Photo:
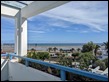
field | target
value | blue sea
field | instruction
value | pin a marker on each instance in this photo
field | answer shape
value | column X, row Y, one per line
column 45, row 46
column 56, row 44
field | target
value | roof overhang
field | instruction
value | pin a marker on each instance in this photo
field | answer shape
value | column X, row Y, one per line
column 32, row 9
column 8, row 11
column 38, row 7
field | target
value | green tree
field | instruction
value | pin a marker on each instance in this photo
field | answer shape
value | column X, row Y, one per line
column 72, row 50
column 85, row 58
column 88, row 47
column 50, row 49
column 96, row 49
column 34, row 55
column 43, row 55
column 75, row 55
column 78, row 49
column 33, row 49
column 106, row 45
column 55, row 49
column 65, row 61
column 106, row 62
column 101, row 64
column 61, row 50
column 29, row 54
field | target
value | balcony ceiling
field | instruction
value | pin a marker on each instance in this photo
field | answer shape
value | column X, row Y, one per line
column 16, row 4
column 28, row 8
column 11, row 8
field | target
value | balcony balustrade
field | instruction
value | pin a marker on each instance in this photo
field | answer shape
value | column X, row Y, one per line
column 62, row 69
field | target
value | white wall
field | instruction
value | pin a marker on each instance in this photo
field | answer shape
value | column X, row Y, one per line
column 19, row 72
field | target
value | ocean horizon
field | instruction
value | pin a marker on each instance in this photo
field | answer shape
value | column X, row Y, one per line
column 45, row 46
column 39, row 44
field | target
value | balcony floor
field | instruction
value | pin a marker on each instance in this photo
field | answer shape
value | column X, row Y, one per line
column 19, row 72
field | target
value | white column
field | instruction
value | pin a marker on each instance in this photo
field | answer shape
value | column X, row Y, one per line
column 20, row 35
column 24, row 37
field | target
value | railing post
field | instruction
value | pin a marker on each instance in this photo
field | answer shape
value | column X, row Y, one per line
column 63, row 75
column 10, row 56
column 26, row 62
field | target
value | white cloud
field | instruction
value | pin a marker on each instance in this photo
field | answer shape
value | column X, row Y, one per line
column 84, row 31
column 58, row 23
column 36, row 31
column 93, row 14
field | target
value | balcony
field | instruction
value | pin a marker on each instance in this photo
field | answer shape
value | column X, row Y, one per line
column 11, row 70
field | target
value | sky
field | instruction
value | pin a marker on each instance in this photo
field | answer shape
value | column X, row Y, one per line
column 73, row 22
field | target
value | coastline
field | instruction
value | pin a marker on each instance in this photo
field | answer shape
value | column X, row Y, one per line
column 9, row 47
